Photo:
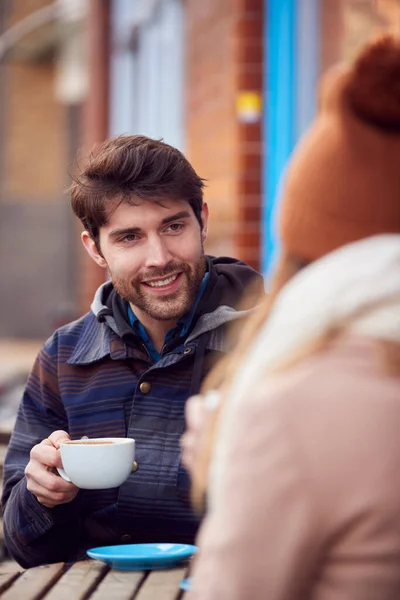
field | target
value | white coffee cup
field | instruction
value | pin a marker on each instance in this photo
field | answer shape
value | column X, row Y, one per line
column 97, row 463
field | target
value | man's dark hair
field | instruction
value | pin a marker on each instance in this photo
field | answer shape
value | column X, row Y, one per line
column 127, row 168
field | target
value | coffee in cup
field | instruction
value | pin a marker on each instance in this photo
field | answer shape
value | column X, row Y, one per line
column 97, row 463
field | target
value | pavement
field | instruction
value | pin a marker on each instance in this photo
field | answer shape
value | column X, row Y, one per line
column 17, row 355
column 16, row 360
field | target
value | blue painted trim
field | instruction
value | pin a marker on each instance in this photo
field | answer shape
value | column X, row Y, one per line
column 279, row 123
column 308, row 54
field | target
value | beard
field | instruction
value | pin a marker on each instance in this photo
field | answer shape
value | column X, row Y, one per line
column 167, row 307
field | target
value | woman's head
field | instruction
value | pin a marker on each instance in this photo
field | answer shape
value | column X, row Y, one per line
column 342, row 185
column 343, row 179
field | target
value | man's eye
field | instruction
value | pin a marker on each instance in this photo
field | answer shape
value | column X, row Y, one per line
column 131, row 237
column 174, row 227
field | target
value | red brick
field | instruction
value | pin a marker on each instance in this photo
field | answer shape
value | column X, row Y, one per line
column 224, row 56
column 249, row 133
column 250, row 27
column 249, row 50
column 253, row 6
column 250, row 162
column 251, row 214
column 250, row 79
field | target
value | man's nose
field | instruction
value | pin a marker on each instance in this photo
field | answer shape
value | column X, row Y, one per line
column 158, row 254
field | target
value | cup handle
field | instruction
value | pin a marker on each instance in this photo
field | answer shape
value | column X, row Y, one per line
column 63, row 474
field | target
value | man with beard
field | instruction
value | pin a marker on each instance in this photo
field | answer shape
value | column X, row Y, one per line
column 128, row 366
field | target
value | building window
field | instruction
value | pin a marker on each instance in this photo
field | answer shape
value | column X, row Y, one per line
column 147, row 69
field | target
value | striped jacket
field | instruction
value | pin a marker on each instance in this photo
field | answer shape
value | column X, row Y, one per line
column 88, row 381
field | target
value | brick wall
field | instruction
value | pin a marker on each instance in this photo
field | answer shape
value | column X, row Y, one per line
column 249, row 77
column 37, row 258
column 224, row 57
column 95, row 112
column 35, row 142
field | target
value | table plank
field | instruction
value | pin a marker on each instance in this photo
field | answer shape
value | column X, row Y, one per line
column 78, row 582
column 118, row 585
column 10, row 566
column 9, row 571
column 34, row 583
column 6, row 580
column 162, row 585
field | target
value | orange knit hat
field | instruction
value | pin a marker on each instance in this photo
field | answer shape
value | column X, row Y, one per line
column 343, row 180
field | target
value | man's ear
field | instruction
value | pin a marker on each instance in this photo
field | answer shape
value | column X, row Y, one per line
column 204, row 220
column 92, row 250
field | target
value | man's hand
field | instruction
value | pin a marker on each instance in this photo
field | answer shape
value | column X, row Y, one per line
column 42, row 482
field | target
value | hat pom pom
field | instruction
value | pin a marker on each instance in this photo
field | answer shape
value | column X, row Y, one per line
column 373, row 88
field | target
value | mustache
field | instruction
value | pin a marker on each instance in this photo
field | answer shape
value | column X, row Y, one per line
column 159, row 272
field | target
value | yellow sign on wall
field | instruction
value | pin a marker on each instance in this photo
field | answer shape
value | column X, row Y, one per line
column 249, row 106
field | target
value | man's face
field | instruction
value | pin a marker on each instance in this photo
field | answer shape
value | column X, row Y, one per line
column 155, row 257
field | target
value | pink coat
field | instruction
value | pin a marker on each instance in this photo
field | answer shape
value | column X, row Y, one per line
column 307, row 505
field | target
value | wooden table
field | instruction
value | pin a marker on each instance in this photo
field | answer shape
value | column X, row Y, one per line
column 88, row 580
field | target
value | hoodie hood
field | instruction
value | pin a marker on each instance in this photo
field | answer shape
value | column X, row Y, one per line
column 228, row 281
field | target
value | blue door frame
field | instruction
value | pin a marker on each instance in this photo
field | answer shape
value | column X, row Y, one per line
column 291, row 66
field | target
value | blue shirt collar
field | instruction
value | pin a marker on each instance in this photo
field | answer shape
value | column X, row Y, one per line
column 182, row 327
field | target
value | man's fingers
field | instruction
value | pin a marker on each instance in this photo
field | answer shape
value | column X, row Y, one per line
column 57, row 437
column 46, row 454
column 40, row 476
column 49, row 488
column 50, row 499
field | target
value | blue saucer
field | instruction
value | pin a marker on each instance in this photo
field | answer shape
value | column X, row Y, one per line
column 139, row 557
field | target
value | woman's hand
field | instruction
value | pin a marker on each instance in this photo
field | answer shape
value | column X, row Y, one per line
column 197, row 412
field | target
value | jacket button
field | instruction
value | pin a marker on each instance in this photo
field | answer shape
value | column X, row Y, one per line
column 145, row 387
column 126, row 538
column 187, row 351
column 135, row 466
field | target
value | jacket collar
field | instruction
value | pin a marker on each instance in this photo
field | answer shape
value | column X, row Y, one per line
column 227, row 278
column 96, row 341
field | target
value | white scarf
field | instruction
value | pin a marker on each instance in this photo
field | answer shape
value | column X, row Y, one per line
column 358, row 284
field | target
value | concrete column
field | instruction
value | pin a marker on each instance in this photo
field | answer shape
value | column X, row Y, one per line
column 332, row 33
